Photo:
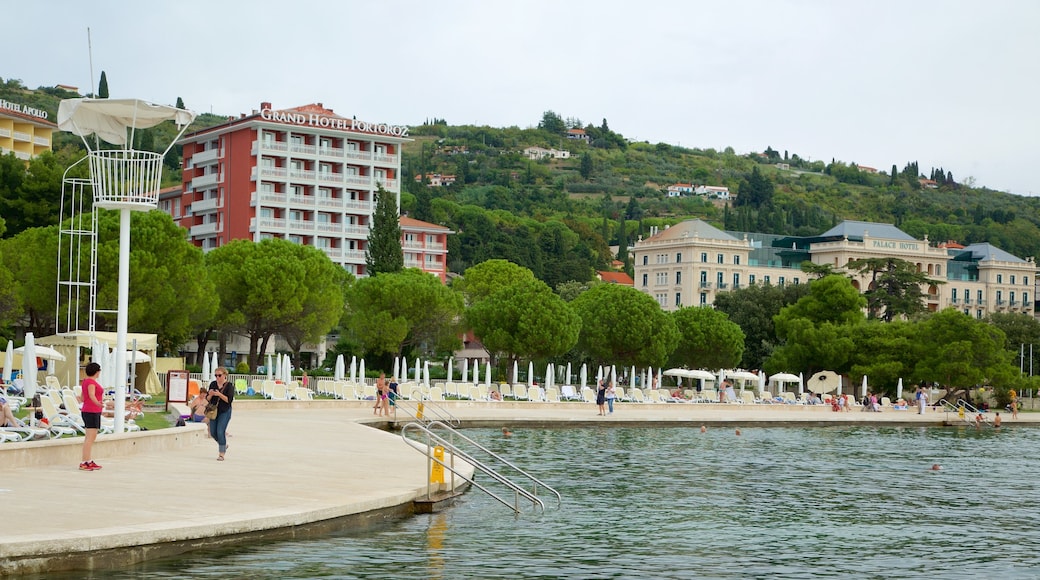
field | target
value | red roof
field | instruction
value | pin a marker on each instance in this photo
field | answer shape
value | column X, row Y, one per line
column 616, row 278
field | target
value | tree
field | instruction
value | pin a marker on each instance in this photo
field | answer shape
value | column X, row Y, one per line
column 10, row 306
column 30, row 197
column 180, row 103
column 895, row 287
column 384, row 253
column 1018, row 329
column 407, row 310
column 30, row 257
column 753, row 308
column 171, row 293
column 960, row 352
column 756, row 190
column 883, row 352
column 552, row 123
column 817, row 329
column 103, row 86
column 524, row 320
column 323, row 302
column 831, row 299
column 707, row 339
column 261, row 286
column 481, row 281
column 621, row 325
column 586, row 166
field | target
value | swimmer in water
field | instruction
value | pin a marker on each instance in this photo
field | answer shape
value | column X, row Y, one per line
column 704, row 429
column 506, row 432
column 936, row 467
column 738, row 432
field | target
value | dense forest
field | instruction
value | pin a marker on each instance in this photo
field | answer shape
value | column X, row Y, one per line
column 559, row 216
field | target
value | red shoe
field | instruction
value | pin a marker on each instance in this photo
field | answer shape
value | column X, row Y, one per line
column 94, row 466
column 85, row 466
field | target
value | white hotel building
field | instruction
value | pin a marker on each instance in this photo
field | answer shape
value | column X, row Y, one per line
column 690, row 262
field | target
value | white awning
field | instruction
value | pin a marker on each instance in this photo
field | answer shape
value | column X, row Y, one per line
column 109, row 119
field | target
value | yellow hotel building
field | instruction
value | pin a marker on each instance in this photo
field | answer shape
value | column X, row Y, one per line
column 25, row 131
column 689, row 263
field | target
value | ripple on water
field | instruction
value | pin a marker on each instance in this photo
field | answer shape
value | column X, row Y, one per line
column 677, row 503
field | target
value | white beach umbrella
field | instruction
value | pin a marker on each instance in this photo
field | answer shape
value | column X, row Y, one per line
column 29, row 365
column 426, row 373
column 361, row 371
column 761, row 382
column 899, row 388
column 516, row 373
column 397, row 368
column 340, row 367
column 206, row 370
column 214, row 363
column 8, row 361
column 613, row 375
column 451, row 370
column 530, row 373
column 417, row 374
column 353, row 368
column 269, row 368
column 864, row 387
column 487, row 374
column 583, row 375
column 548, row 375
column 599, row 375
column 801, row 384
column 567, row 379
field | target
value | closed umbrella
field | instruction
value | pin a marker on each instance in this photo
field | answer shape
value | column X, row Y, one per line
column 361, row 372
column 214, row 363
column 568, row 379
column 548, row 375
column 397, row 368
column 269, row 368
column 340, row 367
column 584, row 375
column 476, row 371
column 206, row 370
column 487, row 374
column 451, row 369
column 9, row 361
column 353, row 368
column 530, row 374
column 29, row 365
column 465, row 370
column 761, row 382
column 801, row 385
column 613, row 375
column 516, row 373
column 418, row 372
column 426, row 373
column 899, row 388
column 864, row 387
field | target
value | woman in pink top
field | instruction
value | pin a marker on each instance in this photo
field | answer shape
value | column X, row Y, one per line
column 93, row 393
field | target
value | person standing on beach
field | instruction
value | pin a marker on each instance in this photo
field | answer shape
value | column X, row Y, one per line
column 92, row 393
column 610, row 395
column 222, row 393
column 601, row 397
column 922, row 400
column 382, row 396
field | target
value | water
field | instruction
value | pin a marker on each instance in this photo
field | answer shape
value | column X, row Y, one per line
column 676, row 503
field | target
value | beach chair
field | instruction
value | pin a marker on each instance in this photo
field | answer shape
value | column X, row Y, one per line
column 519, row 392
column 567, row 392
column 588, row 395
column 709, row 396
column 464, row 390
column 789, row 398
column 303, row 394
column 536, row 394
column 436, row 393
column 552, row 394
column 278, row 392
column 506, row 390
column 635, row 393
column 481, row 391
column 22, row 432
column 747, row 397
column 60, row 424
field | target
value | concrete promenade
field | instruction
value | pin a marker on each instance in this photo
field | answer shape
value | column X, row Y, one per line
column 292, row 469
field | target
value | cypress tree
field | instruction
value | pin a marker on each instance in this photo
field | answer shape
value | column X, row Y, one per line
column 384, row 253
column 102, row 91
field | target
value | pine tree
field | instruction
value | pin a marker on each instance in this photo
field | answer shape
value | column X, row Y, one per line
column 384, row 253
column 180, row 103
column 102, row 91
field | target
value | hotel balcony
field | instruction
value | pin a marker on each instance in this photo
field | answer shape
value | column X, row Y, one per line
column 705, row 285
column 205, row 157
column 42, row 141
column 205, row 229
column 204, row 181
column 22, row 136
column 205, row 205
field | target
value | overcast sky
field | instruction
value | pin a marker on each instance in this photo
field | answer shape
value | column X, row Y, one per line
column 947, row 83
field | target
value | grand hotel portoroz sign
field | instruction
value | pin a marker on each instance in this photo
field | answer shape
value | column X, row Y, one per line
column 316, row 120
column 18, row 108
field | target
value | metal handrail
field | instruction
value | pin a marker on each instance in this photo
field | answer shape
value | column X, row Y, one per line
column 432, row 437
column 424, row 411
column 968, row 408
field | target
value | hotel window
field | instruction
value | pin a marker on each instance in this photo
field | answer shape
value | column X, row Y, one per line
column 704, row 257
column 325, row 168
column 765, row 279
column 704, row 298
column 1012, row 279
column 296, row 190
column 325, row 144
column 644, row 280
column 324, row 193
column 324, row 218
column 938, row 270
column 678, row 299
column 797, row 281
column 296, row 140
column 678, row 260
column 661, row 278
column 1000, row 278
column 266, row 213
column 736, row 280
column 267, row 163
column 268, row 138
column 266, row 187
column 751, row 279
column 645, row 259
column 662, row 299
column 736, row 259
column 1025, row 299
column 678, row 278
column 718, row 280
column 718, row 258
column 781, row 281
column 967, row 296
column 1000, row 297
column 296, row 216
column 704, row 277
column 1011, row 297
column 978, row 314
column 662, row 258
column 1025, row 280
column 979, row 296
column 953, row 295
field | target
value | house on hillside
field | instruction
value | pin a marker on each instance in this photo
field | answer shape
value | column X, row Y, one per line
column 578, row 134
column 680, row 189
column 436, row 179
column 866, row 169
column 928, row 183
column 542, row 153
column 615, row 278
column 716, row 191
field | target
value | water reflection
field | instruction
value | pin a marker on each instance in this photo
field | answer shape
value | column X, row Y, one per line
column 677, row 503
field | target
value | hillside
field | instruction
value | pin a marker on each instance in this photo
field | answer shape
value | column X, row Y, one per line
column 558, row 216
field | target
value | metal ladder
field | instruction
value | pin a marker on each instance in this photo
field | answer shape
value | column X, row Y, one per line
column 965, row 411
column 424, row 411
column 427, row 433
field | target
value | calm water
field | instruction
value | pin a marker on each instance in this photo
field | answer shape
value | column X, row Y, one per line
column 676, row 503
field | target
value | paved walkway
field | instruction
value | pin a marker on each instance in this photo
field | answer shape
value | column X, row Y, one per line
column 289, row 465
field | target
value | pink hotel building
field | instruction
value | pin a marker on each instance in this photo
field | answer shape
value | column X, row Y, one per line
column 304, row 174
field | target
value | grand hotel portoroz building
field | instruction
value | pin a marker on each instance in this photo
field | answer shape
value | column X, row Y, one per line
column 303, row 174
column 689, row 263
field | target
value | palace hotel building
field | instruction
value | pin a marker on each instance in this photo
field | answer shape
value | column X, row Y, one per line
column 303, row 174
column 689, row 263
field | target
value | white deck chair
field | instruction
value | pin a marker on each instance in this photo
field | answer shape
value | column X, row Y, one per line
column 635, row 393
column 303, row 394
column 369, row 392
column 59, row 424
column 482, row 392
column 552, row 394
column 588, row 395
column 278, row 392
column 747, row 397
column 463, row 390
column 506, row 390
column 536, row 394
column 436, row 393
column 567, row 392
column 519, row 392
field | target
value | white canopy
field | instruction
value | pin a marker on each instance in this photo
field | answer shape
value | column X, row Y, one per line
column 690, row 374
column 109, row 119
column 742, row 375
column 784, row 378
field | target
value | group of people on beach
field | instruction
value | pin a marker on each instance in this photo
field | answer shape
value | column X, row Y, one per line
column 605, row 395
column 386, row 395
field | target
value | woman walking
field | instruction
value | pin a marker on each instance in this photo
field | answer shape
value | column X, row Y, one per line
column 222, row 393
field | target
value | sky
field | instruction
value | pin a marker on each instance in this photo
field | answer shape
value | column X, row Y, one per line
column 948, row 83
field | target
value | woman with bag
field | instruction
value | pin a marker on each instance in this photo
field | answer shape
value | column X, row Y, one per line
column 220, row 395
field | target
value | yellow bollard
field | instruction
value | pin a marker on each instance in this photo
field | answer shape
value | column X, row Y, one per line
column 418, row 414
column 437, row 469
column 960, row 411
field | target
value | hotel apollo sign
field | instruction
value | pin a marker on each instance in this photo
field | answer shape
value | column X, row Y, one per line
column 315, row 120
column 23, row 109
